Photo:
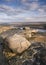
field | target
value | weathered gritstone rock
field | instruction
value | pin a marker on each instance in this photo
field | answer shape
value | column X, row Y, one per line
column 27, row 34
column 27, row 28
column 3, row 60
column 38, row 59
column 17, row 43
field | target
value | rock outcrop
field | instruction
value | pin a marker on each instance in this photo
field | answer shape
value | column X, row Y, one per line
column 17, row 43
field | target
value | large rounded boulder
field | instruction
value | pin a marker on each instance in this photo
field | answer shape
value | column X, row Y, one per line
column 17, row 43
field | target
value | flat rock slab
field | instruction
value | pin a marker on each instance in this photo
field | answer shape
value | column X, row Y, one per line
column 17, row 43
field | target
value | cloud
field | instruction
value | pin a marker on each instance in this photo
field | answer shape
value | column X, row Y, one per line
column 9, row 10
column 33, row 4
column 9, row 14
column 9, row 0
column 28, row 10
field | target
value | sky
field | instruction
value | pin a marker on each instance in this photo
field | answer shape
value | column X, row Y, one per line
column 22, row 11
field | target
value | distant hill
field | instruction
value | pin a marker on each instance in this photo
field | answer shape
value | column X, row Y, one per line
column 23, row 24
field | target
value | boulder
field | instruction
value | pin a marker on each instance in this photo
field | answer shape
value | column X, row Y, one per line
column 27, row 28
column 17, row 43
column 27, row 34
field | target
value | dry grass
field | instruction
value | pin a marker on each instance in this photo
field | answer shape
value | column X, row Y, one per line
column 40, row 39
column 4, row 28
